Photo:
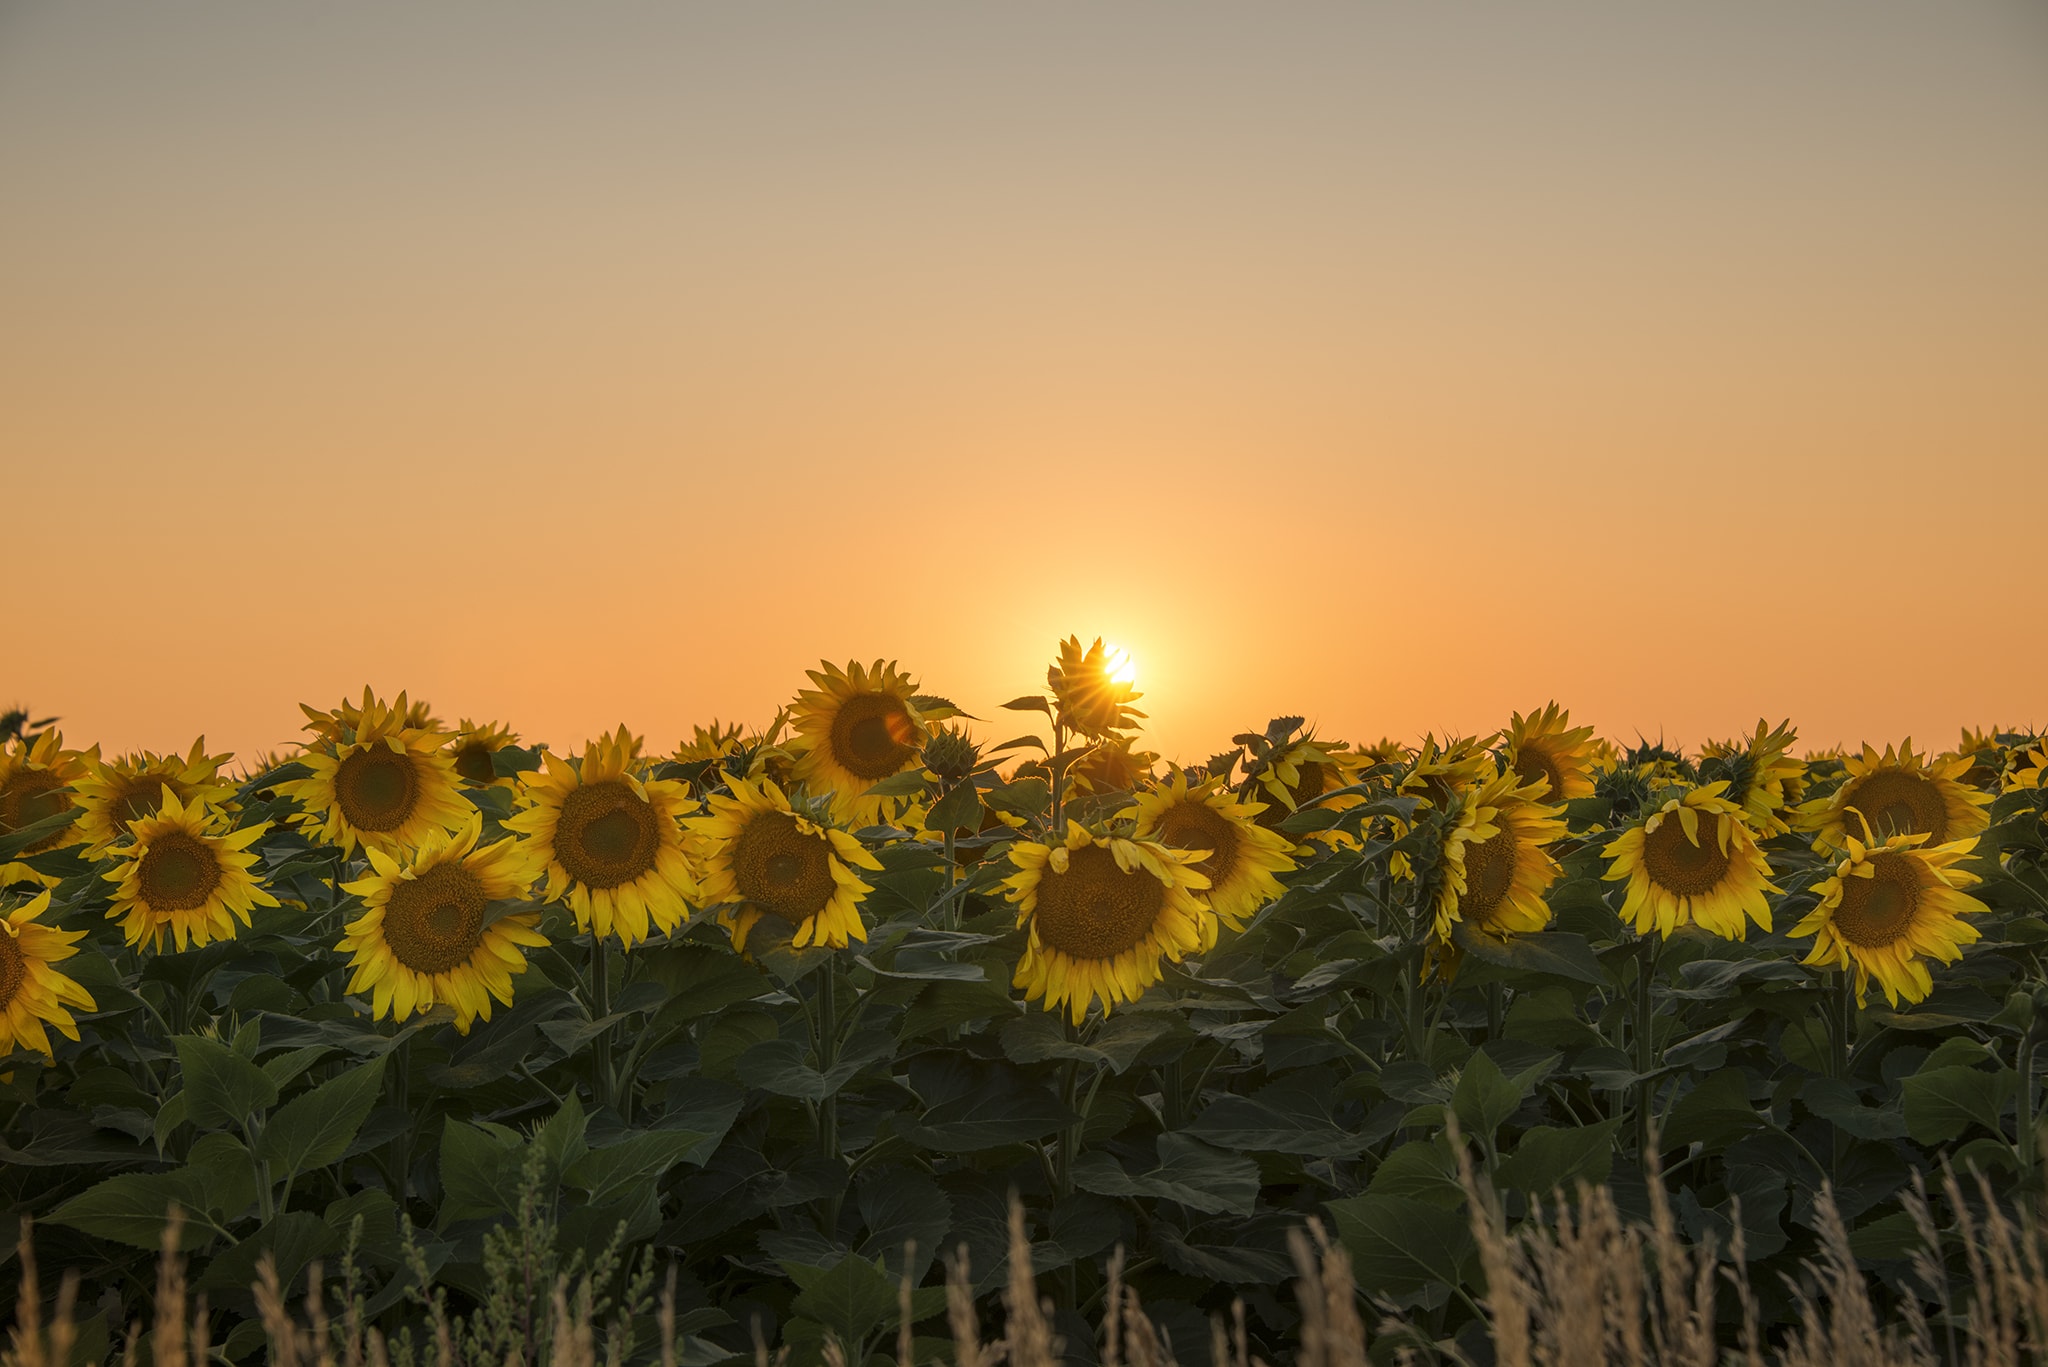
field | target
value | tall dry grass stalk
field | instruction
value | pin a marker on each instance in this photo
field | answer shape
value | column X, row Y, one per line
column 1573, row 1285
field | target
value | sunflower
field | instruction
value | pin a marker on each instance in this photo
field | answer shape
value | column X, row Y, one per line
column 382, row 785
column 33, row 993
column 472, row 750
column 1763, row 778
column 761, row 857
column 1385, row 750
column 426, row 936
column 1899, row 793
column 1091, row 700
column 609, row 839
column 346, row 721
column 1495, row 869
column 856, row 728
column 1243, row 856
column 1889, row 906
column 185, row 877
column 36, row 778
column 1112, row 765
column 1545, row 745
column 1102, row 913
column 115, row 792
column 1443, row 772
column 1694, row 862
column 1301, row 771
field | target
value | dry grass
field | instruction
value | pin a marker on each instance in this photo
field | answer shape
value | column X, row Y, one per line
column 1574, row 1285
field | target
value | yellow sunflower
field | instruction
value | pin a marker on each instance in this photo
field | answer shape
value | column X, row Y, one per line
column 761, row 857
column 426, row 936
column 472, row 749
column 384, row 785
column 1243, row 856
column 1091, row 699
column 1445, row 771
column 37, row 775
column 1899, row 793
column 1693, row 862
column 2029, row 770
column 1102, row 913
column 33, row 993
column 1889, row 906
column 185, row 877
column 345, row 722
column 608, row 839
column 856, row 728
column 1301, row 771
column 1385, row 750
column 1495, row 866
column 113, row 793
column 1545, row 745
column 1764, row 779
column 1114, row 765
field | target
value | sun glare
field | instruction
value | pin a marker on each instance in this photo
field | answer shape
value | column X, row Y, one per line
column 1122, row 668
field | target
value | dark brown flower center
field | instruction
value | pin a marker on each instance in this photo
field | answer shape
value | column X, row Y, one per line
column 1677, row 865
column 13, row 968
column 434, row 922
column 1095, row 910
column 377, row 787
column 1489, row 873
column 1533, row 762
column 1896, row 802
column 872, row 735
column 783, row 869
column 608, row 834
column 1195, row 825
column 139, row 796
column 33, row 795
column 178, row 873
column 473, row 763
column 1877, row 911
column 1309, row 784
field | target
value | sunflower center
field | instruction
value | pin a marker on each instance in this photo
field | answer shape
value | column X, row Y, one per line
column 1895, row 802
column 1678, row 865
column 473, row 763
column 179, row 872
column 138, row 797
column 608, row 834
column 783, row 869
column 1198, row 826
column 1877, row 911
column 1309, row 785
column 377, row 788
column 30, row 796
column 1095, row 910
column 434, row 923
column 872, row 735
column 1489, row 873
column 1532, row 764
column 13, row 969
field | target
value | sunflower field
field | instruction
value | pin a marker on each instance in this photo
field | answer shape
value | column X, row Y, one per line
column 785, row 1020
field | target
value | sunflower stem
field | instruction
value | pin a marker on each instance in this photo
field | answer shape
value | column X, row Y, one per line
column 828, row 1058
column 1059, row 779
column 1645, row 1040
column 600, row 1007
column 401, row 1097
column 2024, row 1120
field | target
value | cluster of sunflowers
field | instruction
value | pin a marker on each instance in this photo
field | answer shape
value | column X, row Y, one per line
column 453, row 841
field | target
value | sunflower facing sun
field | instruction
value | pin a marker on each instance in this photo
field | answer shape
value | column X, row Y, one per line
column 1495, row 866
column 1899, row 793
column 1891, row 905
column 1102, row 912
column 382, row 784
column 427, row 937
column 32, row 992
column 473, row 751
column 608, row 839
column 113, row 793
column 1694, row 862
column 36, row 778
column 859, row 726
column 1243, row 856
column 1546, row 746
column 762, row 858
column 185, row 878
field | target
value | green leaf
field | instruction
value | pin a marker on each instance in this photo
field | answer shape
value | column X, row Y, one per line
column 1554, row 953
column 14, row 842
column 700, row 979
column 130, row 1209
column 314, row 1130
column 1188, row 1172
column 293, row 1240
column 1288, row 1116
column 853, row 1298
column 561, row 1138
column 1715, row 1112
column 288, row 1065
column 1941, row 1103
column 1547, row 1159
column 1836, row 1101
column 479, row 1172
column 1030, row 702
column 1398, row 1245
column 958, row 810
column 1001, row 1110
column 168, row 1118
column 1420, row 1170
column 1485, row 1097
column 222, row 1088
column 612, row 1171
column 900, row 1205
column 905, row 784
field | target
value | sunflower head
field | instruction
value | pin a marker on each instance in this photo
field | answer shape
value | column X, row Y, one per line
column 185, row 876
column 429, row 934
column 1545, row 747
column 951, row 754
column 347, row 721
column 1890, row 906
column 1241, row 859
column 1444, row 772
column 473, row 751
column 1762, row 776
column 382, row 784
column 1102, row 913
column 37, row 778
column 609, row 839
column 761, row 856
column 1494, row 867
column 33, row 993
column 1898, row 792
column 113, row 793
column 1090, row 698
column 859, row 726
column 1694, row 861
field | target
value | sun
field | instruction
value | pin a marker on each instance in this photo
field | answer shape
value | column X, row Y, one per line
column 1123, row 668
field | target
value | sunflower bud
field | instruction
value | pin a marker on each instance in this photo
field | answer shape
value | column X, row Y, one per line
column 950, row 754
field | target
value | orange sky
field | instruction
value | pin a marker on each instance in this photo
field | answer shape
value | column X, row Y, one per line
column 1398, row 366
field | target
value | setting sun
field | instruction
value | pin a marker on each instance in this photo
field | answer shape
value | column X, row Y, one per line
column 1122, row 668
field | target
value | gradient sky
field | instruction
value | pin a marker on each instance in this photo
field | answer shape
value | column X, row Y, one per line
column 1397, row 365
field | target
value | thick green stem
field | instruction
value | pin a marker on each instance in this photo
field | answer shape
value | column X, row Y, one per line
column 600, row 1007
column 2024, row 1138
column 1059, row 780
column 401, row 1143
column 1645, row 1041
column 828, row 1057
